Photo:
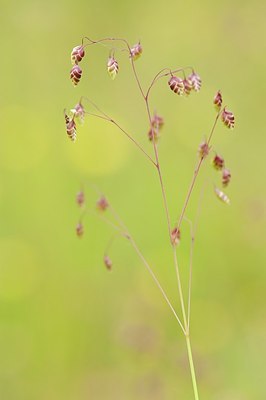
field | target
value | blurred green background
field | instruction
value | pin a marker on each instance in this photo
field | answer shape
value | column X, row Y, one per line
column 69, row 329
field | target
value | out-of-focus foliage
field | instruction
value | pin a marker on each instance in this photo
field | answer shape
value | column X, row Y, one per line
column 69, row 329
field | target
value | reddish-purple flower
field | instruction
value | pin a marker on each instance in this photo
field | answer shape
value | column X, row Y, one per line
column 102, row 204
column 176, row 85
column 204, row 149
column 80, row 198
column 218, row 162
column 226, row 177
column 108, row 262
column 228, row 118
column 218, row 100
column 79, row 230
column 71, row 128
column 77, row 54
column 112, row 67
column 175, row 236
column 136, row 51
column 195, row 81
column 75, row 74
column 79, row 112
column 157, row 123
column 187, row 86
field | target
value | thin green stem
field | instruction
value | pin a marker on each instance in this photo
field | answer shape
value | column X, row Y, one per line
column 192, row 369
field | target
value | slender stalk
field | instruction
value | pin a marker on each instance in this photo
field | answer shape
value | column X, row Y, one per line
column 192, row 369
column 195, row 175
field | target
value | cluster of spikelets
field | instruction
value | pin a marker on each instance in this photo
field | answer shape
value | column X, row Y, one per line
column 218, row 162
column 78, row 54
column 76, row 113
column 185, row 86
column 101, row 206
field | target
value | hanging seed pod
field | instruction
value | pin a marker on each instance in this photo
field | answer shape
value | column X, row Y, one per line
column 218, row 100
column 75, row 74
column 80, row 198
column 112, row 67
column 108, row 262
column 79, row 230
column 175, row 236
column 102, row 204
column 176, row 85
column 79, row 112
column 157, row 121
column 218, row 162
column 77, row 54
column 187, row 86
column 71, row 128
column 204, row 149
column 222, row 196
column 195, row 81
column 228, row 119
column 226, row 177
column 136, row 51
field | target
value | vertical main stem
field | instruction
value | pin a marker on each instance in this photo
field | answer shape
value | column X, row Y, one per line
column 192, row 369
column 180, row 291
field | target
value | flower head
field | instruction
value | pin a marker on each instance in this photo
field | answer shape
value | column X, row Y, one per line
column 226, row 177
column 228, row 118
column 218, row 100
column 112, row 67
column 71, row 127
column 79, row 230
column 204, row 149
column 80, row 198
column 77, row 54
column 218, row 162
column 75, row 74
column 79, row 112
column 176, row 85
column 195, row 80
column 102, row 203
column 108, row 262
column 136, row 51
column 175, row 236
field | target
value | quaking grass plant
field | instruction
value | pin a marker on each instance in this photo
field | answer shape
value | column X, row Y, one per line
column 183, row 82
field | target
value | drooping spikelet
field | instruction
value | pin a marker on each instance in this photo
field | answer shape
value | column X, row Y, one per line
column 71, row 128
column 79, row 112
column 222, row 196
column 75, row 74
column 176, row 85
column 136, row 51
column 195, row 81
column 175, row 236
column 112, row 67
column 218, row 162
column 107, row 262
column 228, row 119
column 226, row 177
column 187, row 86
column 218, row 100
column 204, row 149
column 77, row 54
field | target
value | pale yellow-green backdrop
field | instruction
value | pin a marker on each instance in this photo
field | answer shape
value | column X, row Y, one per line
column 69, row 329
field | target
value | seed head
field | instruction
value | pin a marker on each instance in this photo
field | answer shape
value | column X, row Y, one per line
column 218, row 100
column 77, row 54
column 222, row 196
column 108, row 262
column 204, row 149
column 218, row 162
column 157, row 123
column 187, row 86
column 228, row 118
column 102, row 204
column 226, row 177
column 195, row 81
column 112, row 67
column 176, row 85
column 79, row 112
column 136, row 51
column 79, row 230
column 175, row 236
column 75, row 74
column 71, row 128
column 80, row 198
